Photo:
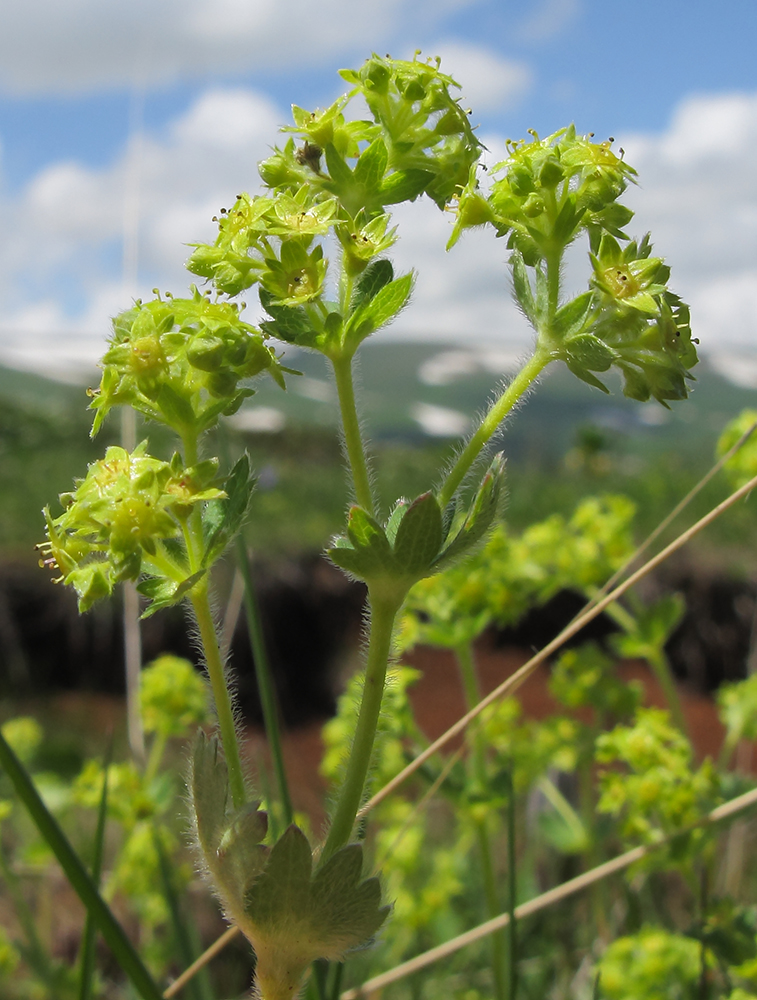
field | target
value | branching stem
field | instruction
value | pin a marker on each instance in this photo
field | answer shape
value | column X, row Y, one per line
column 488, row 426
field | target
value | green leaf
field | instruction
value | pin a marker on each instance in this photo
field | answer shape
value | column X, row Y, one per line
column 210, row 791
column 163, row 593
column 419, row 535
column 78, row 877
column 588, row 351
column 282, row 892
column 288, row 323
column 378, row 274
column 380, row 309
column 404, row 185
column 586, row 376
column 366, row 552
column 573, row 317
column 87, row 953
column 340, row 173
column 480, row 517
column 225, row 517
column 522, row 288
column 371, row 166
column 295, row 918
column 175, row 408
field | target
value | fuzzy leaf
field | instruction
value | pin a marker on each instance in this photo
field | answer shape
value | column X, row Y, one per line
column 379, row 310
column 176, row 409
column 224, row 518
column 366, row 551
column 371, row 166
column 294, row 918
column 378, row 274
column 588, row 351
column 419, row 535
column 572, row 318
column 522, row 288
column 210, row 791
column 404, row 185
column 164, row 593
column 480, row 517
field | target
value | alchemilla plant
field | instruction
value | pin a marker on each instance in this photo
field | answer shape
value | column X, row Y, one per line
column 315, row 246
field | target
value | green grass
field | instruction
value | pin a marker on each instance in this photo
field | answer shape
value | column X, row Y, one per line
column 577, row 441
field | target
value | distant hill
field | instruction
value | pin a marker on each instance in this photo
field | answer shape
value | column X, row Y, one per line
column 413, row 391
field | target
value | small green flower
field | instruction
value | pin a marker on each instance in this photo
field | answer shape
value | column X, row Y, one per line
column 363, row 241
column 630, row 277
column 181, row 362
column 117, row 516
column 298, row 276
column 173, row 696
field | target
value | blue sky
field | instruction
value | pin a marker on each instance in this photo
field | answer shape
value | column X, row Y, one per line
column 674, row 81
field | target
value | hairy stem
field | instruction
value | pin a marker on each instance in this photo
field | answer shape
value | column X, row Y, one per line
column 384, row 609
column 488, row 426
column 221, row 696
column 353, row 440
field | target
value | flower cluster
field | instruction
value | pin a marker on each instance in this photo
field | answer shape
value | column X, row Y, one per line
column 115, row 520
column 181, row 362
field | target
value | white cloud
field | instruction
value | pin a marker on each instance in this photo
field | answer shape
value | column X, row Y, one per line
column 489, row 82
column 64, row 246
column 697, row 196
column 60, row 259
column 79, row 45
column 549, row 19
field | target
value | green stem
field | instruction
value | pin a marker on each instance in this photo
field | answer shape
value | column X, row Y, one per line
column 469, row 679
column 266, row 688
column 553, row 282
column 383, row 612
column 156, row 755
column 353, row 441
column 512, row 887
column 488, row 426
column 499, row 938
column 224, row 711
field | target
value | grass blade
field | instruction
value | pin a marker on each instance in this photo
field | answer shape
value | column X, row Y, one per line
column 78, row 876
column 87, row 954
column 199, row 987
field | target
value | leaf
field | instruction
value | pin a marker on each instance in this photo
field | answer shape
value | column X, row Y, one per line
column 378, row 274
column 77, row 875
column 87, row 952
column 210, row 791
column 481, row 515
column 295, row 918
column 379, row 310
column 175, row 408
column 522, row 288
column 340, row 173
column 282, row 893
column 164, row 593
column 227, row 516
column 371, row 166
column 573, row 317
column 586, row 376
column 588, row 351
column 419, row 535
column 365, row 552
column 288, row 323
column 404, row 185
